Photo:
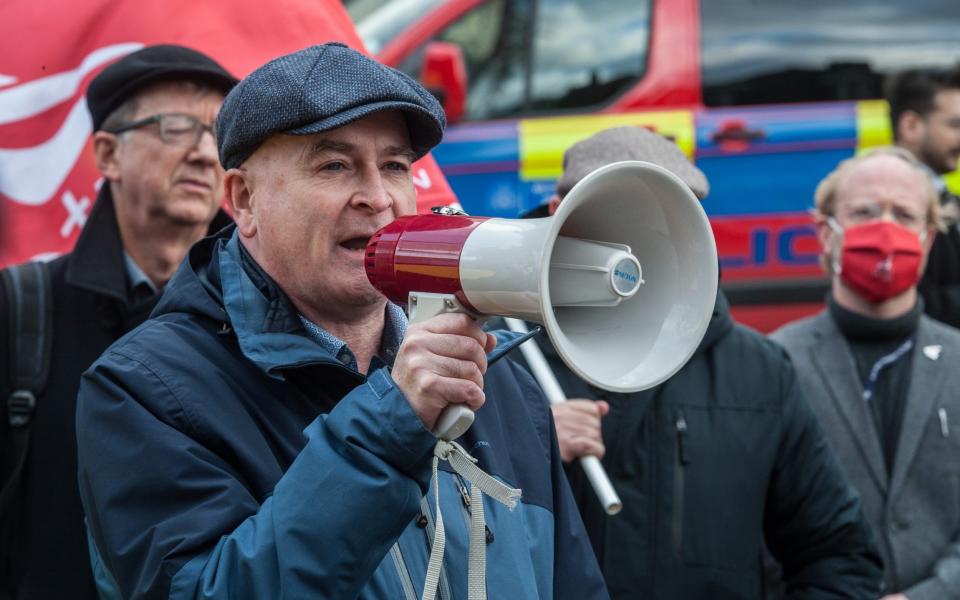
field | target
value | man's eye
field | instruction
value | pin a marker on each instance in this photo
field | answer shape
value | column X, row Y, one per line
column 905, row 217
column 334, row 166
column 396, row 166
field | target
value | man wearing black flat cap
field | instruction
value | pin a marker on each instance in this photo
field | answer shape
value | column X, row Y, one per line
column 267, row 433
column 153, row 113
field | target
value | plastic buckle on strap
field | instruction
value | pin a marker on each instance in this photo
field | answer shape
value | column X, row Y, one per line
column 20, row 406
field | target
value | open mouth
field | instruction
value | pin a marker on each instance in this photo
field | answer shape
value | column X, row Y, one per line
column 356, row 243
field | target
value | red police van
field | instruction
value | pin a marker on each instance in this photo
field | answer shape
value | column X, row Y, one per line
column 766, row 96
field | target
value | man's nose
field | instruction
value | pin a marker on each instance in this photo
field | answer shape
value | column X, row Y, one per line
column 372, row 193
column 205, row 149
column 887, row 215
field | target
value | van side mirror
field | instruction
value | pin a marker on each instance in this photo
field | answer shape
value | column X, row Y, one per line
column 444, row 74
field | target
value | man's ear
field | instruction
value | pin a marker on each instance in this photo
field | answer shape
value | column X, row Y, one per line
column 825, row 236
column 824, row 233
column 239, row 189
column 911, row 129
column 105, row 149
column 553, row 204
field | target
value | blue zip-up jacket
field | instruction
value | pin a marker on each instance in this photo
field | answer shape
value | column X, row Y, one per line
column 224, row 454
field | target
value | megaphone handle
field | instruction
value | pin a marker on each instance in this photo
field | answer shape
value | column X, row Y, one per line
column 554, row 393
column 455, row 419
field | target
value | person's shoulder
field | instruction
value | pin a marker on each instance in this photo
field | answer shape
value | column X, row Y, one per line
column 745, row 334
column 939, row 332
column 753, row 346
column 58, row 266
column 516, row 396
column 749, row 345
column 173, row 343
column 508, row 377
column 170, row 364
column 770, row 367
column 799, row 332
column 56, row 270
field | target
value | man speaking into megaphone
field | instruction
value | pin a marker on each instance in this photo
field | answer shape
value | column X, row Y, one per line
column 267, row 434
column 722, row 457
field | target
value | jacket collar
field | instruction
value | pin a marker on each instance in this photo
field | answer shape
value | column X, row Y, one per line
column 96, row 263
column 928, row 377
column 266, row 325
column 831, row 354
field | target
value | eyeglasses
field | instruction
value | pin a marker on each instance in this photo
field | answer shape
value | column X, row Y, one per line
column 175, row 129
column 869, row 211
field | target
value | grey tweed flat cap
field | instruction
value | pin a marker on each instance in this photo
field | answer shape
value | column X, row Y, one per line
column 318, row 89
column 628, row 143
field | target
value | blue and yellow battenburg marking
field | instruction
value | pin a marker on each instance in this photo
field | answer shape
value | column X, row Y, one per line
column 543, row 141
column 761, row 194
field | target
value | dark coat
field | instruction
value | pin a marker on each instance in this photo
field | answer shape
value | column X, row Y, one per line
column 233, row 453
column 723, row 456
column 90, row 311
column 940, row 285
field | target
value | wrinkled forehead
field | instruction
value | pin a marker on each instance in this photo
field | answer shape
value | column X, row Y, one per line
column 387, row 129
column 178, row 96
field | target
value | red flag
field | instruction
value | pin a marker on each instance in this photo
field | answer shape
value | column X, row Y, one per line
column 53, row 48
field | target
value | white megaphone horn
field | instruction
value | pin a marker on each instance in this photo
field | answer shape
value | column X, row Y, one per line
column 623, row 277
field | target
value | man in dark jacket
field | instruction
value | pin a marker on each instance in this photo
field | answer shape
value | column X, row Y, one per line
column 722, row 457
column 925, row 118
column 267, row 433
column 162, row 185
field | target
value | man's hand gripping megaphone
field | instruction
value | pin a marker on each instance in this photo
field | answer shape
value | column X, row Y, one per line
column 441, row 362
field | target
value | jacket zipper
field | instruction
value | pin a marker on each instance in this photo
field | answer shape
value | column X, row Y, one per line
column 464, row 498
column 679, row 462
column 467, row 511
column 405, row 582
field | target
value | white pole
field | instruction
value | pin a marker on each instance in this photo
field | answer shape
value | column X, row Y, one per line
column 548, row 382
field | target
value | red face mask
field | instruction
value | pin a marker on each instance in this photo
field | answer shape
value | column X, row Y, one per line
column 880, row 259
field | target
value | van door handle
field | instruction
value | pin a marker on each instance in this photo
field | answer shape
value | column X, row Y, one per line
column 733, row 135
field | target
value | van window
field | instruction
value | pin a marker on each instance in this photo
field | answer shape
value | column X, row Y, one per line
column 537, row 57
column 493, row 39
column 587, row 52
column 772, row 51
column 379, row 22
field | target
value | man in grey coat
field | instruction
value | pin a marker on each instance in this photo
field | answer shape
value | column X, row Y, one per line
column 883, row 377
